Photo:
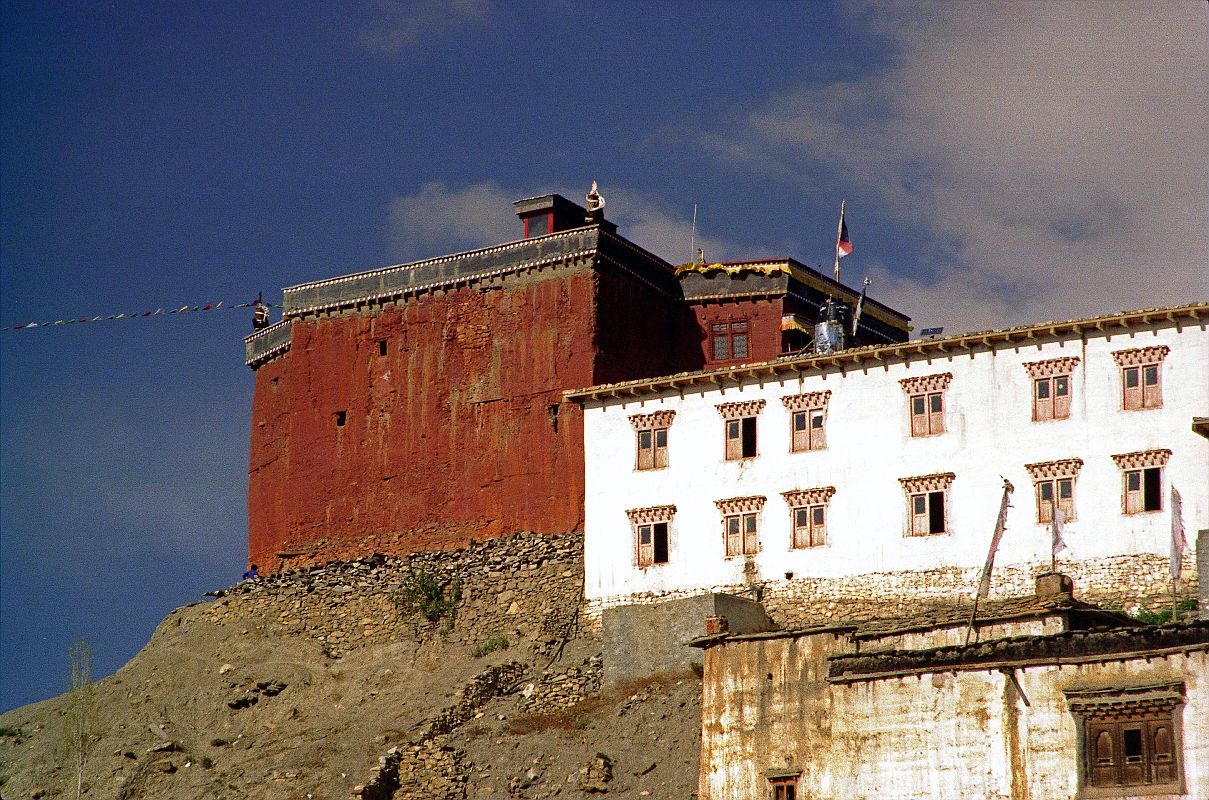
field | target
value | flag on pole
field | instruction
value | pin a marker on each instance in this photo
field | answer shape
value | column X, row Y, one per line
column 843, row 245
column 1178, row 541
column 860, row 302
column 1058, row 544
column 984, row 585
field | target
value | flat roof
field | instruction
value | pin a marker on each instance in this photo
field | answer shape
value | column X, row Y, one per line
column 881, row 353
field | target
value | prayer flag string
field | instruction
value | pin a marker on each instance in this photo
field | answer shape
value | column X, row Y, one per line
column 186, row 309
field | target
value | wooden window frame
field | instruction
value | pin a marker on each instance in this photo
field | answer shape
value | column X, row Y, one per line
column 1142, row 481
column 1050, row 480
column 740, row 525
column 651, row 439
column 1141, row 377
column 739, row 429
column 813, row 503
column 1114, row 763
column 926, row 403
column 807, row 421
column 1052, row 387
column 728, row 332
column 652, row 522
column 923, row 493
column 784, row 788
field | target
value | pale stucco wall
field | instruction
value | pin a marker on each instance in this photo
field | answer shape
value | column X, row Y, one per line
column 989, row 433
column 937, row 736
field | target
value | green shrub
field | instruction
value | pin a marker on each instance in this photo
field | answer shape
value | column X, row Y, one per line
column 1162, row 616
column 10, row 732
column 423, row 593
column 490, row 646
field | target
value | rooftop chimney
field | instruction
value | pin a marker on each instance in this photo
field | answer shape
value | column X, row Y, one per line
column 1054, row 584
column 553, row 213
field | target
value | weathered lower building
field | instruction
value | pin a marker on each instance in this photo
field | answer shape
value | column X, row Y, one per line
column 1046, row 702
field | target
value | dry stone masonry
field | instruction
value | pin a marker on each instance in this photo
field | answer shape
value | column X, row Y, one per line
column 526, row 586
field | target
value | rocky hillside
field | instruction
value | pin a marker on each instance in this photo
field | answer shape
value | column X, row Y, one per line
column 449, row 676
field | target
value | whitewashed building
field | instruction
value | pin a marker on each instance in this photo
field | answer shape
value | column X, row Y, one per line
column 860, row 482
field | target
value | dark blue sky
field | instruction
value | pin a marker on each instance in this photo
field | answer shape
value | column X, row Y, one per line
column 1000, row 167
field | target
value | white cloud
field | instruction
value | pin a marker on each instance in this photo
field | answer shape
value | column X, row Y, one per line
column 398, row 25
column 439, row 219
column 1056, row 154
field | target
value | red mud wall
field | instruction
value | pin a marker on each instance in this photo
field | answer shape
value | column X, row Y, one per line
column 641, row 333
column 763, row 317
column 448, row 435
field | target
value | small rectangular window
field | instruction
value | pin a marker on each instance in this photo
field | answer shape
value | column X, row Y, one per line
column 809, row 526
column 652, row 544
column 808, row 431
column 740, row 438
column 341, row 418
column 652, row 448
column 381, row 347
column 1142, row 387
column 783, row 788
column 1131, row 751
column 928, row 513
column 927, row 414
column 1143, row 490
column 1065, row 490
column 729, row 340
column 742, row 535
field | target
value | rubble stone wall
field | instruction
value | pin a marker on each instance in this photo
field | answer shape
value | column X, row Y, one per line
column 1129, row 582
column 522, row 586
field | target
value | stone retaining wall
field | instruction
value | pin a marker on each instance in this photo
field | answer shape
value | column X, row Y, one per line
column 1129, row 582
column 522, row 586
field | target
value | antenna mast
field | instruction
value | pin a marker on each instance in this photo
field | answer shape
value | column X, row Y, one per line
column 692, row 242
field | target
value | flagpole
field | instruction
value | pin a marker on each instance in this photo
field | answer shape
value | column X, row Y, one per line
column 839, row 229
column 984, row 583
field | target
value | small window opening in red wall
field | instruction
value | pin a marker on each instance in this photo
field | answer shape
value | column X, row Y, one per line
column 341, row 418
column 381, row 347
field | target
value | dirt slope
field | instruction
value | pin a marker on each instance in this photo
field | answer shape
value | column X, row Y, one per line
column 251, row 711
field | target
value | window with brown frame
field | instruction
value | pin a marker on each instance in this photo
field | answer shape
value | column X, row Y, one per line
column 1051, row 398
column 1052, row 387
column 740, row 438
column 1141, row 377
column 1142, row 480
column 808, row 430
column 926, row 403
column 652, row 448
column 1143, row 490
column 742, row 535
column 1130, row 740
column 927, row 503
column 807, row 420
column 1055, row 483
column 740, row 428
column 741, row 525
column 808, row 516
column 652, row 544
column 651, row 433
column 784, row 788
column 729, row 339
column 652, row 535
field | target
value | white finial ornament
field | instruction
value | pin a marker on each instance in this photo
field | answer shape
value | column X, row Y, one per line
column 595, row 199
